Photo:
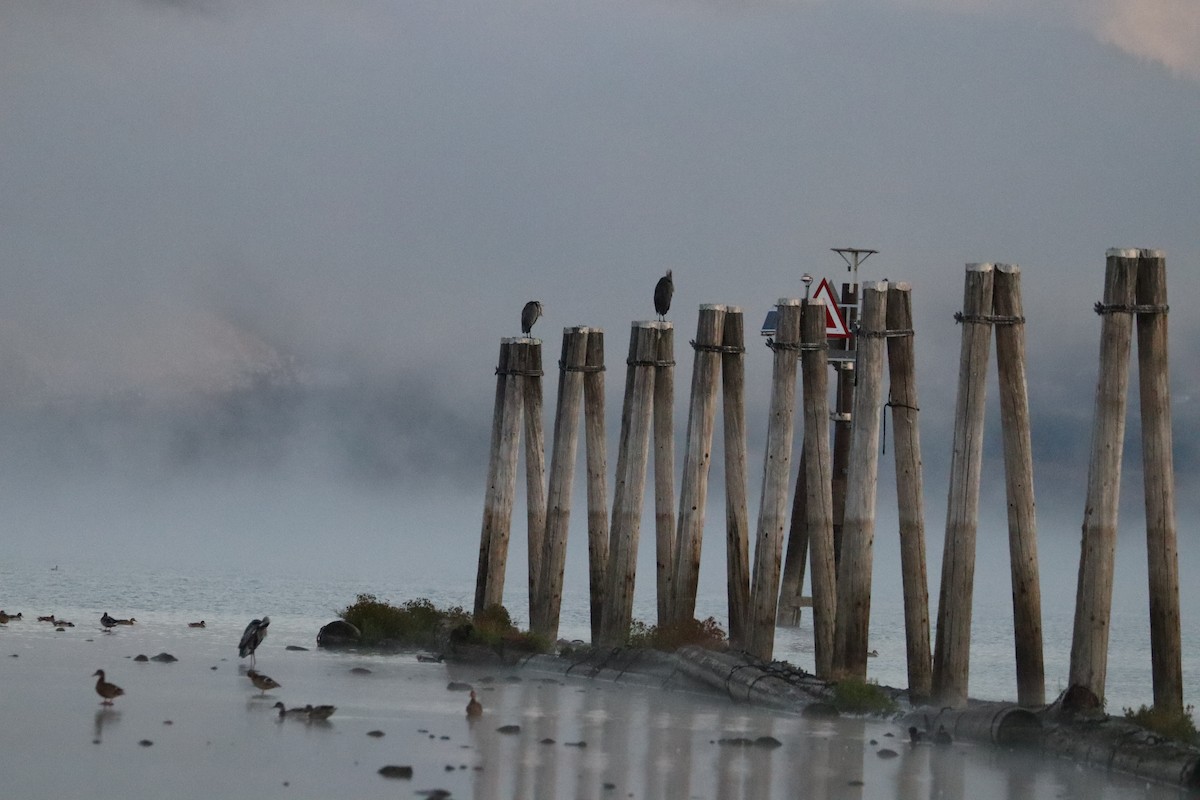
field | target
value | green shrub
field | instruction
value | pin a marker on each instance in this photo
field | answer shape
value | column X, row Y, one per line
column 707, row 634
column 416, row 622
column 1177, row 725
column 854, row 696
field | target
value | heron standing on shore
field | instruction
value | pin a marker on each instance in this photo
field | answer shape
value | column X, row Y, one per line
column 256, row 631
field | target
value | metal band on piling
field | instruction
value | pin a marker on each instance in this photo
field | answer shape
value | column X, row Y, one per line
column 885, row 334
column 987, row 319
column 1123, row 308
column 581, row 368
column 716, row 348
column 528, row 373
column 648, row 362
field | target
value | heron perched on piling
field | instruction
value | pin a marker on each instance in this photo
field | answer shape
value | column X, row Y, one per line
column 256, row 631
column 663, row 291
column 529, row 315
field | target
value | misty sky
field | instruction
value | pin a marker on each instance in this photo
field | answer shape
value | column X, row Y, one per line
column 256, row 258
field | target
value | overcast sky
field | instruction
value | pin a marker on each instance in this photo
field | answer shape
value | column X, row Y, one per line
column 358, row 198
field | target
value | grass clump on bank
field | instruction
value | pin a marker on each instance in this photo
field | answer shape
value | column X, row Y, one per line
column 701, row 633
column 1178, row 725
column 854, row 696
column 420, row 623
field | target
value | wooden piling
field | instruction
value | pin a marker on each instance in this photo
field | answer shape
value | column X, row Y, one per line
column 529, row 359
column 1018, row 474
column 768, row 548
column 791, row 588
column 697, row 459
column 910, row 493
column 630, row 483
column 952, row 653
column 597, row 476
column 664, row 469
column 843, row 418
column 1159, row 481
column 818, row 468
column 852, row 630
column 502, row 482
column 1093, row 598
column 737, row 521
column 544, row 613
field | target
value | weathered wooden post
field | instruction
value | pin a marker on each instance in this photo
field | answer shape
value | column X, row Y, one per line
column 764, row 592
column 1018, row 473
column 795, row 557
column 502, row 481
column 1093, row 598
column 843, row 415
column 529, row 356
column 910, row 494
column 952, row 653
column 858, row 528
column 1159, row 481
column 697, row 460
column 737, row 520
column 630, row 483
column 597, row 476
column 545, row 612
column 664, row 468
column 818, row 462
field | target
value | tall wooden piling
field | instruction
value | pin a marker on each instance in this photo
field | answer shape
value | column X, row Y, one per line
column 795, row 557
column 1093, row 598
column 597, row 476
column 952, row 653
column 502, row 481
column 529, row 355
column 910, row 493
column 544, row 613
column 843, row 418
column 697, row 460
column 630, row 483
column 768, row 548
column 818, row 462
column 858, row 528
column 1159, row 481
column 1018, row 473
column 664, row 469
column 737, row 520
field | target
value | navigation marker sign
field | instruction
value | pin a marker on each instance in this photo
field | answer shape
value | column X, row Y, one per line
column 835, row 325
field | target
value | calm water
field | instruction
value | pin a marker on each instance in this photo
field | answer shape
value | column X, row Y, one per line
column 299, row 605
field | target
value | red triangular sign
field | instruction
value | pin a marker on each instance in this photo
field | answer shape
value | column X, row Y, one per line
column 835, row 325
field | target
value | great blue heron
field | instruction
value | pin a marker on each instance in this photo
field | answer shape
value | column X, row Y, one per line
column 106, row 690
column 663, row 290
column 256, row 631
column 529, row 315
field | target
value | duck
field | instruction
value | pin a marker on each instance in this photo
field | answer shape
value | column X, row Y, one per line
column 49, row 619
column 262, row 682
column 107, row 621
column 5, row 617
column 915, row 734
column 199, row 624
column 284, row 711
column 129, row 621
column 105, row 689
column 942, row 736
column 319, row 713
column 474, row 707
column 873, row 654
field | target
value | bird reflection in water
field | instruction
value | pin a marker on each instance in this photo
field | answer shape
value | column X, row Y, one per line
column 104, row 716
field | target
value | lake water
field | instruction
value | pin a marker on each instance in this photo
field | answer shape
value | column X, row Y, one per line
column 299, row 604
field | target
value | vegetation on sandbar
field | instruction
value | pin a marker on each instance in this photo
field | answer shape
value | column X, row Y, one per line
column 420, row 623
column 1178, row 725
